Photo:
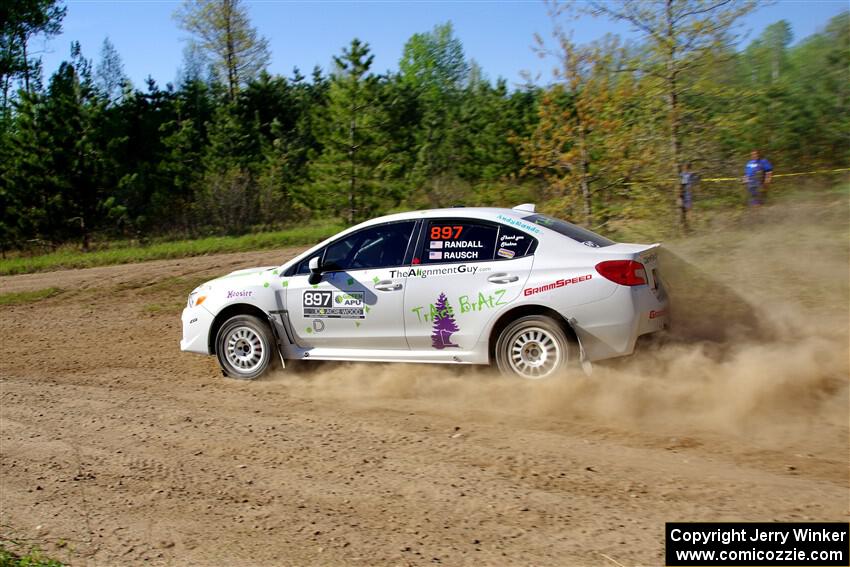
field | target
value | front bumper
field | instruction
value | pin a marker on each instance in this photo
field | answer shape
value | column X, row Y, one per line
column 196, row 330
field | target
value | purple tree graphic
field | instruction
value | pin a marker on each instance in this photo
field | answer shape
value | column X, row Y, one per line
column 444, row 325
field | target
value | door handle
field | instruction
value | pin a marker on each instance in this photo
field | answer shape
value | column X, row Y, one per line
column 387, row 286
column 502, row 278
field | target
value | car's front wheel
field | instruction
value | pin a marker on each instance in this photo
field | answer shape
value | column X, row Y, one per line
column 532, row 347
column 244, row 347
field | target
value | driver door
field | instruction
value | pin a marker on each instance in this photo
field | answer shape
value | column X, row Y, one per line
column 359, row 301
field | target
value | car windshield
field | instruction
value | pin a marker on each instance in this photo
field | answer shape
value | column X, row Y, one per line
column 570, row 230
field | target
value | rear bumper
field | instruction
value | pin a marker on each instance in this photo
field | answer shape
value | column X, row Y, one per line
column 196, row 330
column 610, row 328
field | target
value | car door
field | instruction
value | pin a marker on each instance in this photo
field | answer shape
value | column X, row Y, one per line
column 467, row 271
column 358, row 303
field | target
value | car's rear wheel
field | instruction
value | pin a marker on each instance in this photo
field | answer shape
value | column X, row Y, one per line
column 532, row 347
column 245, row 347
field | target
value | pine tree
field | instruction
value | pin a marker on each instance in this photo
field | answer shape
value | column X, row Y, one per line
column 223, row 30
column 109, row 75
column 20, row 21
column 351, row 174
column 433, row 65
column 444, row 325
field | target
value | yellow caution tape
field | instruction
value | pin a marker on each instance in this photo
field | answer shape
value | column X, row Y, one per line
column 713, row 179
column 780, row 174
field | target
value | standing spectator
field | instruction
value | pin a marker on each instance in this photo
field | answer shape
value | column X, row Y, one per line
column 757, row 175
column 687, row 180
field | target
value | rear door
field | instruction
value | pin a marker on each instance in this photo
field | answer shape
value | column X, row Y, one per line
column 465, row 272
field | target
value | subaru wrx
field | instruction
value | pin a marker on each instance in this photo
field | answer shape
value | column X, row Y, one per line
column 524, row 291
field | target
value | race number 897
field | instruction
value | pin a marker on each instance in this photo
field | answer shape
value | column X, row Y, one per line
column 317, row 299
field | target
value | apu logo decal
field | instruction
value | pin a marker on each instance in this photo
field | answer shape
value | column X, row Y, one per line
column 555, row 285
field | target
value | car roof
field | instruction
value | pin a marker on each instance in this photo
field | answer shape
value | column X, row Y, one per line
column 487, row 213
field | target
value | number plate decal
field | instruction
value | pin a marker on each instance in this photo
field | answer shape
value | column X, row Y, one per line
column 334, row 305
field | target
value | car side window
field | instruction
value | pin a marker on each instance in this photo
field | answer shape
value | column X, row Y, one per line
column 381, row 246
column 513, row 243
column 457, row 240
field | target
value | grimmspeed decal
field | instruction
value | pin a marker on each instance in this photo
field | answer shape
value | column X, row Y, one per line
column 555, row 285
column 426, row 272
column 334, row 305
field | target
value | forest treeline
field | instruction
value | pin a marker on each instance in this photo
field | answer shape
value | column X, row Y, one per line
column 229, row 148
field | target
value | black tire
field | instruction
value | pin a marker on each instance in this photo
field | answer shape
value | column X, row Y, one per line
column 532, row 347
column 245, row 347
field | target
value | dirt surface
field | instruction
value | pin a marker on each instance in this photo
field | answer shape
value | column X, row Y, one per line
column 118, row 449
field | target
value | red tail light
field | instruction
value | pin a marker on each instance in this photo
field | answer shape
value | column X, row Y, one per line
column 623, row 272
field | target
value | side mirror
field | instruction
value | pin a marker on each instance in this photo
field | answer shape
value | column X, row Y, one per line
column 315, row 270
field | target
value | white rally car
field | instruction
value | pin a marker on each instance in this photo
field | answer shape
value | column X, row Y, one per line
column 462, row 285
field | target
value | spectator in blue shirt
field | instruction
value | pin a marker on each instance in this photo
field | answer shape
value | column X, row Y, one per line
column 757, row 175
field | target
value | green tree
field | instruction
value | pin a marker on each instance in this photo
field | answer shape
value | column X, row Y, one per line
column 679, row 35
column 223, row 30
column 110, row 79
column 582, row 145
column 433, row 66
column 20, row 21
column 352, row 174
column 63, row 170
column 820, row 87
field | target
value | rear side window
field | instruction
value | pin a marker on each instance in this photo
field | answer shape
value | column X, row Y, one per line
column 462, row 240
column 577, row 233
column 513, row 243
column 449, row 241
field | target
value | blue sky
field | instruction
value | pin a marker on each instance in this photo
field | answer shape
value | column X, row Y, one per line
column 498, row 35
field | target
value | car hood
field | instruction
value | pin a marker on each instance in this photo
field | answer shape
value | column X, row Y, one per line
column 246, row 272
column 246, row 277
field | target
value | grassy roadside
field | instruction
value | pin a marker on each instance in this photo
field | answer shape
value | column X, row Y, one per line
column 68, row 259
column 710, row 212
column 32, row 559
column 17, row 298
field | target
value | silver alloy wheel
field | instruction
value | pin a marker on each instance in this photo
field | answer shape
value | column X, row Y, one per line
column 245, row 350
column 534, row 353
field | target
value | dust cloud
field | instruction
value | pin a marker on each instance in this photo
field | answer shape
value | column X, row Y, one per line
column 758, row 348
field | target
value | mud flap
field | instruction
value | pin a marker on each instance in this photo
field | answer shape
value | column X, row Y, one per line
column 586, row 366
column 278, row 344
